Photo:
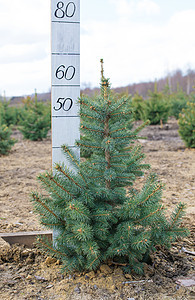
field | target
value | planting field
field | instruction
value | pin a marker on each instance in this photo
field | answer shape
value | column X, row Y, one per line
column 27, row 274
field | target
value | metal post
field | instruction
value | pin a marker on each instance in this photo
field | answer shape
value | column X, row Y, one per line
column 65, row 68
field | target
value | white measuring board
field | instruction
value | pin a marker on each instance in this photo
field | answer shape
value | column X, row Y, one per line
column 65, row 68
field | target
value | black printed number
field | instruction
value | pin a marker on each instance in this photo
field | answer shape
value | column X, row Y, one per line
column 64, row 103
column 65, row 11
column 67, row 73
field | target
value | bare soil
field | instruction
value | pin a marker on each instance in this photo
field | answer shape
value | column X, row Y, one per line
column 29, row 274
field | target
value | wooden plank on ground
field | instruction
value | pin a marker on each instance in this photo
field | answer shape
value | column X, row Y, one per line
column 24, row 238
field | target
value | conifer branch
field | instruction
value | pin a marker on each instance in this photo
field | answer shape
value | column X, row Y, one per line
column 95, row 177
column 104, row 84
column 138, row 242
column 178, row 230
column 151, row 214
column 82, row 178
column 90, row 106
column 72, row 207
column 121, row 104
column 95, row 130
column 107, row 152
column 117, row 166
column 59, row 168
column 50, row 248
column 121, row 113
column 100, row 215
column 42, row 215
column 88, row 146
column 127, row 148
column 133, row 162
column 98, row 163
column 94, row 261
column 157, row 189
column 118, row 130
column 102, row 68
column 124, row 177
column 49, row 186
column 136, row 151
column 138, row 129
column 65, row 148
column 120, row 155
column 86, row 116
column 60, row 186
column 117, row 249
column 181, row 208
column 123, row 137
column 47, row 208
column 101, row 171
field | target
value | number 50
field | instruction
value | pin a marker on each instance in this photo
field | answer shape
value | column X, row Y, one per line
column 64, row 103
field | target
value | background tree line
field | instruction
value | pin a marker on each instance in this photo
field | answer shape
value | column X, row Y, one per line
column 173, row 96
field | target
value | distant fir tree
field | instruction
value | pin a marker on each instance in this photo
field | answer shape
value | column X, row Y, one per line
column 178, row 101
column 6, row 142
column 138, row 106
column 156, row 108
column 187, row 125
column 96, row 219
column 36, row 119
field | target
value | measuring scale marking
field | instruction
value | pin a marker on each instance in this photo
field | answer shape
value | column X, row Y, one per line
column 65, row 52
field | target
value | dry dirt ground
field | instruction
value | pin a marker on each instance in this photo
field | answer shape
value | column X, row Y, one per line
column 28, row 274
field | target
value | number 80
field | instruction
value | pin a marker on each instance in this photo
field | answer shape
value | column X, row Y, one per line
column 67, row 11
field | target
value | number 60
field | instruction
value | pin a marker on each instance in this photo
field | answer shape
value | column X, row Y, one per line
column 63, row 72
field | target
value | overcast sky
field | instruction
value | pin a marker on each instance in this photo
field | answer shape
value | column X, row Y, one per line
column 138, row 39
